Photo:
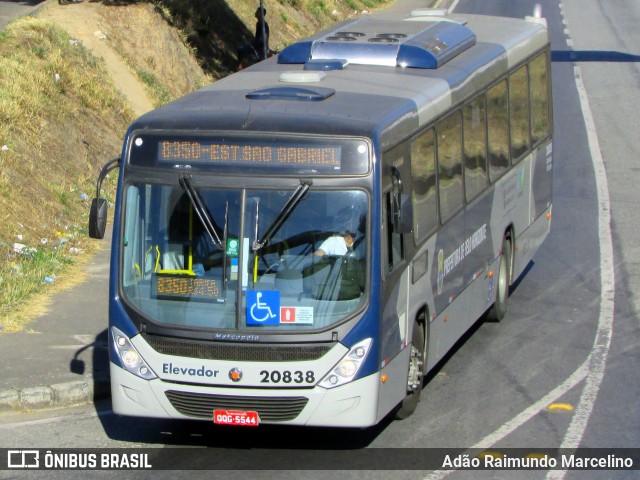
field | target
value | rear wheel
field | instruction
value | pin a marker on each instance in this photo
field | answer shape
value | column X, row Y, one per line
column 415, row 376
column 499, row 308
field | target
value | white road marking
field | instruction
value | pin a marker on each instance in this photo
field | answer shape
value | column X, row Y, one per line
column 592, row 370
column 516, row 422
column 602, row 342
column 58, row 419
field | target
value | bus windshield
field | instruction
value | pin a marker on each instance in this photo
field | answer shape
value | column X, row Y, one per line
column 234, row 259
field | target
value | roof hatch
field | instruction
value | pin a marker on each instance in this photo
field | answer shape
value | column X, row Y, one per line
column 428, row 43
column 304, row 94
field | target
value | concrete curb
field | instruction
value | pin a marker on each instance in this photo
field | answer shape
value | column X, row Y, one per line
column 57, row 395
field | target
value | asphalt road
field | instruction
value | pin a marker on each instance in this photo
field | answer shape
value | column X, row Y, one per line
column 11, row 9
column 608, row 68
column 571, row 334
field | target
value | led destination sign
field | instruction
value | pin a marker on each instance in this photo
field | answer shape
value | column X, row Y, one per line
column 244, row 154
column 234, row 153
column 181, row 287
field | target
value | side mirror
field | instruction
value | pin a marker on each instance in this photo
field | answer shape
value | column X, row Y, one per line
column 98, row 218
column 98, row 212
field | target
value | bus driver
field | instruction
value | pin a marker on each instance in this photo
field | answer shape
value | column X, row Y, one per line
column 342, row 243
column 338, row 244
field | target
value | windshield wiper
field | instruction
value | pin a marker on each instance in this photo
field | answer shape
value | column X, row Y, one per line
column 288, row 208
column 202, row 212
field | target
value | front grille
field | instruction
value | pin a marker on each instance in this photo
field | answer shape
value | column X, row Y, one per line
column 277, row 352
column 202, row 405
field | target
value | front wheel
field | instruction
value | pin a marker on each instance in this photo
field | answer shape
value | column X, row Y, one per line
column 499, row 308
column 415, row 376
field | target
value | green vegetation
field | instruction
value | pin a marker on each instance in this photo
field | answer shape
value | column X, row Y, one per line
column 26, row 275
column 61, row 117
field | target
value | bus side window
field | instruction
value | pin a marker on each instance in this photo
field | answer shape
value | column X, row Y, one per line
column 519, row 113
column 498, row 130
column 476, row 178
column 423, row 188
column 133, row 255
column 450, row 165
column 539, row 85
column 395, row 246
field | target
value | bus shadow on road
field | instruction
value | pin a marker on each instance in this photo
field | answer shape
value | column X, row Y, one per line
column 593, row 56
column 194, row 433
column 99, row 365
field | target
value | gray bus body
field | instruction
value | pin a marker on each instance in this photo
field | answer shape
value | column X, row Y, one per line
column 445, row 139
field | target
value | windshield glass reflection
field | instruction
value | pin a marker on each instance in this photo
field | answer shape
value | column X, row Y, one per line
column 308, row 272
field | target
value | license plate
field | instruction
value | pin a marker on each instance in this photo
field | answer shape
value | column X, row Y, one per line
column 236, row 417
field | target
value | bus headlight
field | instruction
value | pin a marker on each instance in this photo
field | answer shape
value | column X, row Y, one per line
column 131, row 360
column 348, row 367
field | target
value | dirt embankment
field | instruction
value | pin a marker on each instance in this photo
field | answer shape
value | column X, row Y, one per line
column 135, row 43
column 84, row 22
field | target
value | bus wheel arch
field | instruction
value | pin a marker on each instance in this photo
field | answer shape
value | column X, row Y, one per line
column 416, row 368
column 503, row 278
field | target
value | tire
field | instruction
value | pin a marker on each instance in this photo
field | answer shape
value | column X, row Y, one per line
column 415, row 375
column 503, row 282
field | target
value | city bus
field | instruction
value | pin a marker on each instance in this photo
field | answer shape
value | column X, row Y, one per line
column 301, row 242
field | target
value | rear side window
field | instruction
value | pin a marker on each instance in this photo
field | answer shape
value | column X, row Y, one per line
column 450, row 165
column 519, row 112
column 498, row 130
column 539, row 87
column 476, row 178
column 423, row 177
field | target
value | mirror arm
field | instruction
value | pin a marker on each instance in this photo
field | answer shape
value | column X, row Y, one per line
column 98, row 211
column 108, row 167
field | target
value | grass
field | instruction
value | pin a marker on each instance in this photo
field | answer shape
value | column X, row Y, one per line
column 25, row 275
column 157, row 91
column 159, row 56
column 60, row 119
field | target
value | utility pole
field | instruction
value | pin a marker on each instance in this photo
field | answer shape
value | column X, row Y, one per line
column 265, row 46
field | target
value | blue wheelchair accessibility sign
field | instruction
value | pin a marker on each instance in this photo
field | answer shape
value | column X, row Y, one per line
column 263, row 307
